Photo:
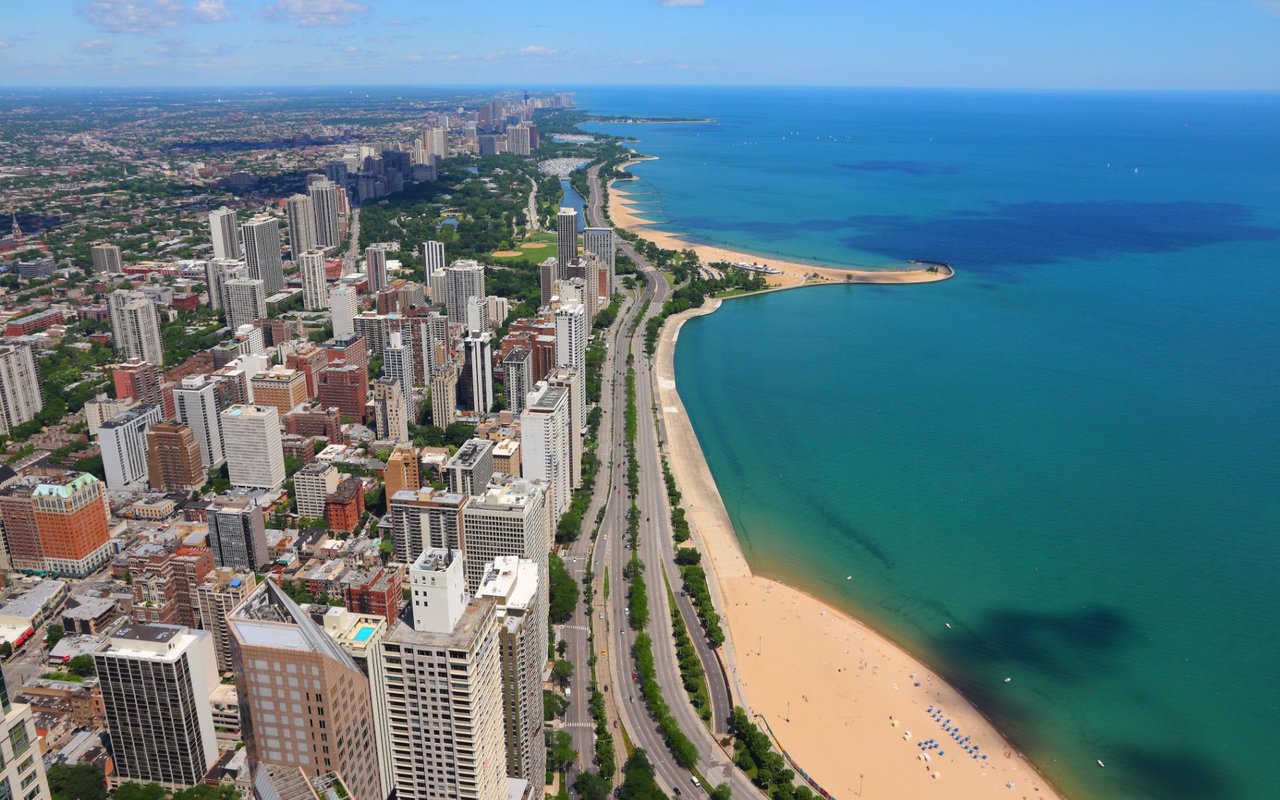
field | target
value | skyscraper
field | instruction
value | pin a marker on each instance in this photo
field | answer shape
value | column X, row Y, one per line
column 324, row 203
column 237, row 534
column 435, row 142
column 478, row 369
column 21, row 768
column 403, row 471
column 444, row 393
column 197, row 407
column 135, row 326
column 518, row 367
column 572, row 330
column 544, row 443
column 566, row 237
column 463, row 281
column 375, row 261
column 433, row 258
column 312, row 484
column 397, row 364
column 422, row 519
column 156, row 681
column 599, row 242
column 222, row 232
column 342, row 307
column 251, row 437
column 261, row 237
column 217, row 596
column 106, row 258
column 314, row 288
column 390, row 412
column 522, row 639
column 302, row 224
column 123, row 442
column 469, row 470
column 571, row 380
column 444, row 738
column 518, row 140
column 305, row 702
column 21, row 398
column 246, row 301
column 173, row 459
column 509, row 519
column 217, row 272
column 137, row 380
column 548, row 275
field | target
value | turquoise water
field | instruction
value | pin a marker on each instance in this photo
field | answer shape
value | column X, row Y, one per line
column 1068, row 452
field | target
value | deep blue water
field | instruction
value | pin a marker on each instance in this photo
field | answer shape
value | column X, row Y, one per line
column 572, row 199
column 1070, row 451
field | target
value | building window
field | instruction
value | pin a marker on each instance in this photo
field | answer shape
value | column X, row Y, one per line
column 19, row 740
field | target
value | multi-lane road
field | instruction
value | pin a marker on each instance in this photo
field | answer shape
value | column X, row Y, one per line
column 614, row 638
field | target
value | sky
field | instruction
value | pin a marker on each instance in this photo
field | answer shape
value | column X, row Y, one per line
column 1050, row 44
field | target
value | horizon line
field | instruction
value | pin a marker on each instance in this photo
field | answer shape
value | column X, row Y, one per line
column 569, row 88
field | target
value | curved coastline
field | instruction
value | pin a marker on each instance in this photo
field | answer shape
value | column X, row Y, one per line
column 853, row 684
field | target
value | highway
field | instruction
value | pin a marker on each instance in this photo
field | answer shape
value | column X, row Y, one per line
column 614, row 636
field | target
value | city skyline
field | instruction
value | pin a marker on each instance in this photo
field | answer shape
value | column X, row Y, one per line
column 1187, row 44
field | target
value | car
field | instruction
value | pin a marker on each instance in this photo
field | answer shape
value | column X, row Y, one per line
column 633, row 698
column 677, row 791
column 694, row 780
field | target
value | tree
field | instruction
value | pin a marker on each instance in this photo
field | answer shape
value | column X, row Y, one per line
column 591, row 786
column 562, row 671
column 637, row 779
column 83, row 666
column 553, row 705
column 721, row 792
column 138, row 791
column 6, row 649
column 81, row 782
column 54, row 635
column 560, row 752
column 564, row 591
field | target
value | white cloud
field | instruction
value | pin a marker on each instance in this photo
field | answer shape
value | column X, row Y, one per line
column 135, row 16
column 683, row 3
column 95, row 45
column 413, row 58
column 314, row 13
column 538, row 50
column 3, row 44
column 211, row 11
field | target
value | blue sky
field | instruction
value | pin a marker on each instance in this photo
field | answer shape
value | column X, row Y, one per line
column 1104, row 44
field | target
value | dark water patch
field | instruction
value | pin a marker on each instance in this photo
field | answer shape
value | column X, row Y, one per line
column 845, row 531
column 1041, row 232
column 904, row 167
column 1167, row 772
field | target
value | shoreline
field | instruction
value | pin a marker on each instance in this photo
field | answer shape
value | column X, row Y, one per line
column 854, row 681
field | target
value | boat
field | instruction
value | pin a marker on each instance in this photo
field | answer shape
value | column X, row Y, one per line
column 1100, row 763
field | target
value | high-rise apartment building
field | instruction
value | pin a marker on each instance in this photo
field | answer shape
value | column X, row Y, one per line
column 435, row 142
column 156, row 681
column 106, row 258
column 548, row 276
column 444, row 393
column 302, row 224
column 402, row 471
column 246, row 301
column 305, row 703
column 571, row 381
column 324, row 203
column 508, row 519
column 424, row 519
column 173, row 459
column 518, row 368
column 518, row 140
column 196, row 404
column 345, row 387
column 375, row 263
column 464, row 280
column 390, row 412
column 135, row 326
column 216, row 274
column 599, row 242
column 21, row 767
column 137, row 380
column 566, row 238
column 443, row 738
column 522, row 642
column 433, row 258
column 21, row 398
column 223, row 232
column 282, row 388
column 476, row 393
column 261, row 237
column 251, row 438
column 573, row 329
column 123, row 442
column 56, row 523
column 238, row 534
column 342, row 307
column 315, row 290
column 469, row 470
column 217, row 596
column 544, row 443
column 312, row 484
column 397, row 364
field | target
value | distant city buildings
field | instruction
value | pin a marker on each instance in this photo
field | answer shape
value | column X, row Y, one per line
column 301, row 215
column 21, row 398
column 135, row 326
column 324, row 202
column 566, row 238
column 106, row 258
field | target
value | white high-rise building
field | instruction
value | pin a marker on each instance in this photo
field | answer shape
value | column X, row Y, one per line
column 518, row 140
column 463, row 281
column 156, row 681
column 478, row 348
column 342, row 309
column 438, row 283
column 544, row 443
column 518, row 367
column 255, row 455
column 196, row 403
column 21, row 767
column 324, row 203
column 20, row 396
column 435, row 142
column 566, row 238
column 315, row 295
column 123, row 441
column 224, row 234
column 135, row 326
column 311, row 485
column 217, row 272
column 261, row 237
column 599, row 242
column 509, row 519
column 246, row 301
column 570, row 379
column 397, row 364
column 390, row 410
column 522, row 637
column 106, row 258
column 302, row 224
column 572, row 330
column 375, row 266
column 443, row 735
column 433, row 258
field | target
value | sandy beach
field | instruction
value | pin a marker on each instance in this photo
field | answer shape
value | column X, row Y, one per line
column 791, row 273
column 848, row 705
